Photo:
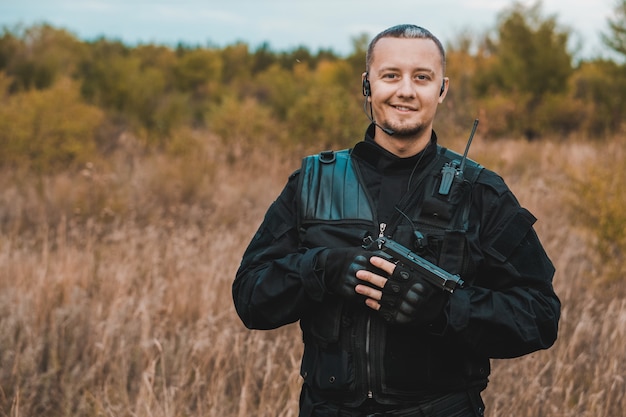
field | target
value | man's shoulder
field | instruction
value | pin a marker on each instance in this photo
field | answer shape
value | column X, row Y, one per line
column 470, row 168
column 477, row 173
column 493, row 181
column 328, row 156
column 325, row 157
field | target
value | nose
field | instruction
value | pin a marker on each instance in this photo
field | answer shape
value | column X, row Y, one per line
column 406, row 88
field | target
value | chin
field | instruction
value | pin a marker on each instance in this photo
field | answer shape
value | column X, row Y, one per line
column 408, row 131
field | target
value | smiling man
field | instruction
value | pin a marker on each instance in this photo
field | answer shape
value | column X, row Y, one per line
column 380, row 337
column 406, row 83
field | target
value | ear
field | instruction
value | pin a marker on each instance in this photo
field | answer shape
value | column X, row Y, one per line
column 444, row 89
column 366, row 85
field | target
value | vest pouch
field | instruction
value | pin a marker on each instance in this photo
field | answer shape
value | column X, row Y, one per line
column 453, row 250
column 334, row 234
column 418, row 239
column 324, row 323
column 443, row 207
column 327, row 363
column 329, row 370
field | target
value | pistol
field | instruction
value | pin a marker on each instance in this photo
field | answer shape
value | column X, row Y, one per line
column 430, row 272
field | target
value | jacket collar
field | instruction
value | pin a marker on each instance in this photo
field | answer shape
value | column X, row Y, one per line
column 381, row 159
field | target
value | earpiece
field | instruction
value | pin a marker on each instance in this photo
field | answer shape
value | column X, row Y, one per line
column 443, row 88
column 366, row 87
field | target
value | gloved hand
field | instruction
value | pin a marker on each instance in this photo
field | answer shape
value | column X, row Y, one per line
column 409, row 299
column 340, row 266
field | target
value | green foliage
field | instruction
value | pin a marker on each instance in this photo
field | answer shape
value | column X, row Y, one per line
column 519, row 82
column 498, row 115
column 198, row 69
column 601, row 85
column 37, row 56
column 126, row 85
column 263, row 58
column 616, row 37
column 532, row 53
column 237, row 62
column 560, row 114
column 337, row 122
column 531, row 61
column 240, row 121
column 461, row 104
column 47, row 130
column 328, row 115
column 277, row 89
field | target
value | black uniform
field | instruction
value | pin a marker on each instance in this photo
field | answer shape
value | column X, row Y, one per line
column 354, row 360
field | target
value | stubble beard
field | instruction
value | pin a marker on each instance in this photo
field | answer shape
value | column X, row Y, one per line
column 407, row 132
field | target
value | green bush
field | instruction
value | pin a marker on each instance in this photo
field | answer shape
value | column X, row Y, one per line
column 244, row 123
column 48, row 130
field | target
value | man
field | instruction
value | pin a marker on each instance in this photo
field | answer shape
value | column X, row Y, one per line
column 380, row 339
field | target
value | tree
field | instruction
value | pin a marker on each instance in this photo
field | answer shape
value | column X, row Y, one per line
column 601, row 85
column 616, row 39
column 263, row 58
column 531, row 61
column 48, row 130
column 461, row 69
column 532, row 52
column 237, row 62
column 36, row 56
column 197, row 68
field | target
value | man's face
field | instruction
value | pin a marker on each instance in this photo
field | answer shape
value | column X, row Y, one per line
column 405, row 77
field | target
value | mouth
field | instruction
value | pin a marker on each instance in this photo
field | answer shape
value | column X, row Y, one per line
column 403, row 108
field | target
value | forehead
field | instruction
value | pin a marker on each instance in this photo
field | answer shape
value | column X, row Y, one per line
column 406, row 53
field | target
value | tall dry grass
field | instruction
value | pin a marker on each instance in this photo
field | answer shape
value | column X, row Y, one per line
column 115, row 290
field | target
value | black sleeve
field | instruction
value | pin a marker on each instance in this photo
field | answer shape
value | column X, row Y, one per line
column 511, row 308
column 276, row 280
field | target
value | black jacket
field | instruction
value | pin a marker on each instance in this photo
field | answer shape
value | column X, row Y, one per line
column 507, row 308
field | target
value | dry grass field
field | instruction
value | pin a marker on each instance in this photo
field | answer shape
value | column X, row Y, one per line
column 115, row 288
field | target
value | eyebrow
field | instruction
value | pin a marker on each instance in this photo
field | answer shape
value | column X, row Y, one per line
column 419, row 69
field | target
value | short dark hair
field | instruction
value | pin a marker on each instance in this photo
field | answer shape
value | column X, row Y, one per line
column 405, row 31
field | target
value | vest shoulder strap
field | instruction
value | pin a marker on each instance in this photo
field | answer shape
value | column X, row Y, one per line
column 329, row 189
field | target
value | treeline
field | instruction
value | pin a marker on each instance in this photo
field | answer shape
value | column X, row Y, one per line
column 65, row 100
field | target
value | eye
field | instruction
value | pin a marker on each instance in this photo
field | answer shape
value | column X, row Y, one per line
column 390, row 76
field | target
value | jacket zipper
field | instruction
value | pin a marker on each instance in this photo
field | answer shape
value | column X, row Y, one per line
column 368, row 338
column 370, row 394
column 368, row 328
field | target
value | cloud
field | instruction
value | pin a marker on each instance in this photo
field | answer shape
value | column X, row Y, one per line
column 488, row 5
column 91, row 6
column 200, row 14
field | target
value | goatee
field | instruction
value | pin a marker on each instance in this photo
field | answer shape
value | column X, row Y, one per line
column 406, row 131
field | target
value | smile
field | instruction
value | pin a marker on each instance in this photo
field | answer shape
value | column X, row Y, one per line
column 403, row 108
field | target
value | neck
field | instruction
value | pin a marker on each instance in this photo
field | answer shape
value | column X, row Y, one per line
column 403, row 146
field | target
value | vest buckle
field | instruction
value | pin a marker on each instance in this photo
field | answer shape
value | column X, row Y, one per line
column 327, row 157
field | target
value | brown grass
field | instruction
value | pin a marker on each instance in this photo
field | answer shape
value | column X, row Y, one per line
column 115, row 291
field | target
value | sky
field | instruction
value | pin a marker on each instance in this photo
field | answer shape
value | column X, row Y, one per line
column 287, row 24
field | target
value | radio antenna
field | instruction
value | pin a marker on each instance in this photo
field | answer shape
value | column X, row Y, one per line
column 452, row 169
column 469, row 142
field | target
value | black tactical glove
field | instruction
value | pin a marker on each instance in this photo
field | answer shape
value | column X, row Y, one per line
column 339, row 268
column 409, row 299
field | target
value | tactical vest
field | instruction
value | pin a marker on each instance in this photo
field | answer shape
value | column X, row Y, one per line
column 335, row 208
